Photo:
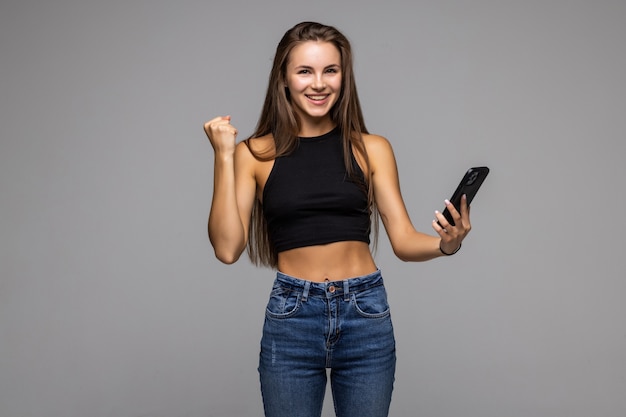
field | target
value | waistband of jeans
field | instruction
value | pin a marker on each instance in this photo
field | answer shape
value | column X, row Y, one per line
column 345, row 287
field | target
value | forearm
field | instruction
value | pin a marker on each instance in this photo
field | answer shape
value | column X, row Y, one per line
column 415, row 246
column 225, row 228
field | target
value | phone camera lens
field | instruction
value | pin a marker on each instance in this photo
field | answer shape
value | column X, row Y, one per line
column 472, row 178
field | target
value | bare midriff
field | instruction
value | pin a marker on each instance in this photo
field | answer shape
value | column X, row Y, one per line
column 331, row 262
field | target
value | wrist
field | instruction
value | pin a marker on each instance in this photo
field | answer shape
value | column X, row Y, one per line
column 224, row 156
column 449, row 253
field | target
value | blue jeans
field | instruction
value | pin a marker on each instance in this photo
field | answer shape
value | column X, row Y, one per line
column 344, row 326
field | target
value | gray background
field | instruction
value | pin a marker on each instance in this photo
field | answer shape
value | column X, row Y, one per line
column 111, row 301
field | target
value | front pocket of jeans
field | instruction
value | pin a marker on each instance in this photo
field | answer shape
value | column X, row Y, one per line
column 371, row 303
column 283, row 303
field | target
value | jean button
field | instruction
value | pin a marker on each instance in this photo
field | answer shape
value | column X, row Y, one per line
column 331, row 289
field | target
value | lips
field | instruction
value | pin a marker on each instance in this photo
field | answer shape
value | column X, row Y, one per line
column 320, row 97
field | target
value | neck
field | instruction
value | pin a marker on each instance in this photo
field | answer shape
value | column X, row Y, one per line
column 312, row 128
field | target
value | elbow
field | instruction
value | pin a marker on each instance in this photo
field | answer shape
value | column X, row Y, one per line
column 400, row 254
column 403, row 257
column 227, row 252
column 227, row 257
column 227, row 261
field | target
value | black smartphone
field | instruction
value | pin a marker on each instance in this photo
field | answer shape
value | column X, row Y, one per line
column 469, row 185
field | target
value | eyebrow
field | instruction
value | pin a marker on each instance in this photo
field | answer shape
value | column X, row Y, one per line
column 310, row 67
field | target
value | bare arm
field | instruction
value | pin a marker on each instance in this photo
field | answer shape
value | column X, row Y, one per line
column 408, row 244
column 233, row 191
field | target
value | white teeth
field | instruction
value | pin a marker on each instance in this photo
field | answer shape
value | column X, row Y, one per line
column 317, row 97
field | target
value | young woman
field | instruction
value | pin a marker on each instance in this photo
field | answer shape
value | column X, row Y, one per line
column 301, row 194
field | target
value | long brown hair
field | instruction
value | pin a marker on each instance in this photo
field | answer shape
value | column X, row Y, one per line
column 279, row 119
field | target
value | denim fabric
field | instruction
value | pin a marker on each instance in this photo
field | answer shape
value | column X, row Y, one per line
column 344, row 326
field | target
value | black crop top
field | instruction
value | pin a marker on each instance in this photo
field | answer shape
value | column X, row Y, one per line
column 308, row 198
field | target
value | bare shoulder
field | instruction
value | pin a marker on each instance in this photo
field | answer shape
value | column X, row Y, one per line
column 375, row 143
column 254, row 158
column 262, row 147
column 379, row 150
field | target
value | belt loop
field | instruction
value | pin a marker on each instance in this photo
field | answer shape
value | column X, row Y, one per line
column 346, row 290
column 305, row 292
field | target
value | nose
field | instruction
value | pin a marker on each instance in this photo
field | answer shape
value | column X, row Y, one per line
column 318, row 83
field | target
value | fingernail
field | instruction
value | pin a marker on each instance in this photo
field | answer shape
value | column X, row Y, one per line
column 446, row 201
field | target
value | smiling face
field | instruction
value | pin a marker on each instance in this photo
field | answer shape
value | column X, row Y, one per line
column 313, row 78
